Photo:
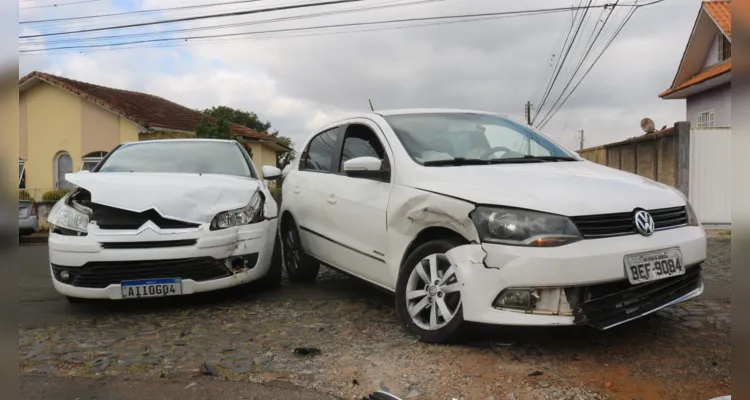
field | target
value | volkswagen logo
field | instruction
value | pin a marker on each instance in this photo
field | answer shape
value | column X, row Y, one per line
column 644, row 224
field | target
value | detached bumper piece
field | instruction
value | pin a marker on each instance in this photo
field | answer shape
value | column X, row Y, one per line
column 610, row 304
column 102, row 274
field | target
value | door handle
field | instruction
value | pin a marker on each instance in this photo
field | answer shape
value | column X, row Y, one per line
column 296, row 190
column 331, row 200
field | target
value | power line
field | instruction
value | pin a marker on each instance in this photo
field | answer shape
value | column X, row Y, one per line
column 562, row 63
column 580, row 64
column 366, row 23
column 138, row 11
column 229, row 14
column 261, row 22
column 306, row 35
column 617, row 32
column 59, row 4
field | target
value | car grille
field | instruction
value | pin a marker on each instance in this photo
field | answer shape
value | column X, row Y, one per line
column 619, row 224
column 116, row 218
column 613, row 303
column 103, row 274
column 149, row 245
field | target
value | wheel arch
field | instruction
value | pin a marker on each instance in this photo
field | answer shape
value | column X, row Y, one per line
column 428, row 234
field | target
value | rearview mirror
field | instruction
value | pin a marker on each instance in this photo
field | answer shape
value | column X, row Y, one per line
column 367, row 167
column 270, row 172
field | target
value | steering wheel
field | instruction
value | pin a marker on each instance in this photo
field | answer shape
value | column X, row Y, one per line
column 488, row 153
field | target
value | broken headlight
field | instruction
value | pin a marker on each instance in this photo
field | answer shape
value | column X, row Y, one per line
column 250, row 214
column 519, row 227
column 69, row 216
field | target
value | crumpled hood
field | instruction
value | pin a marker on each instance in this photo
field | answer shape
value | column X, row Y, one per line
column 184, row 197
column 567, row 188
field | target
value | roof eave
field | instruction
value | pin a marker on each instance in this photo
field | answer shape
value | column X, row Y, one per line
column 716, row 81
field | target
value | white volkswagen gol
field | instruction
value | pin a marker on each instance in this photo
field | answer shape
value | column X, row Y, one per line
column 165, row 218
column 470, row 216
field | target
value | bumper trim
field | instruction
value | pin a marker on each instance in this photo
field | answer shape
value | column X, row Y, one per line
column 695, row 293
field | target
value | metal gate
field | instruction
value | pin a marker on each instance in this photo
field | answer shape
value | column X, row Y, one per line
column 710, row 175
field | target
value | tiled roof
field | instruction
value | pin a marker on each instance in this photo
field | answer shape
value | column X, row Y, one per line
column 706, row 74
column 147, row 110
column 721, row 12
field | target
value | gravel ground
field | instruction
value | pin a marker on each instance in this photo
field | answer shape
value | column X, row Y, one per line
column 682, row 352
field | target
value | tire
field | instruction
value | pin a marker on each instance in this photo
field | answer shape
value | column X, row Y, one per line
column 300, row 267
column 272, row 279
column 448, row 292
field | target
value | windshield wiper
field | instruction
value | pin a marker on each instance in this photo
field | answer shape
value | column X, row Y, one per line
column 530, row 158
column 458, row 161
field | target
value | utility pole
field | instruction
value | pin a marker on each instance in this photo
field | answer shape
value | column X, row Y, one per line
column 582, row 139
column 527, row 111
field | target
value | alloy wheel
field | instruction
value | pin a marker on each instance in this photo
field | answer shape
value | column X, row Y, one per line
column 433, row 293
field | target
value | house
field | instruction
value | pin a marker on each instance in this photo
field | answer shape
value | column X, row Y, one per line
column 704, row 75
column 67, row 126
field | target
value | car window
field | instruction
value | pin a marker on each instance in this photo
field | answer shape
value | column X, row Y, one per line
column 428, row 137
column 319, row 152
column 171, row 156
column 361, row 141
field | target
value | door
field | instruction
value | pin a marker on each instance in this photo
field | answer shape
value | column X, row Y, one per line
column 310, row 189
column 357, row 206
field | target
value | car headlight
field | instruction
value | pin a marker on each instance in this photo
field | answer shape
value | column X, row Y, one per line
column 518, row 227
column 66, row 216
column 692, row 219
column 250, row 214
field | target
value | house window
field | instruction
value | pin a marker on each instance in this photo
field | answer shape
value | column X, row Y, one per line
column 63, row 165
column 91, row 160
column 706, row 119
column 21, row 174
column 725, row 48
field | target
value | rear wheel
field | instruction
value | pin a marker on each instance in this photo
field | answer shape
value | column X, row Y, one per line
column 300, row 267
column 428, row 293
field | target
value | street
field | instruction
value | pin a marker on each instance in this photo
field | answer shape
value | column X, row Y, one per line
column 124, row 350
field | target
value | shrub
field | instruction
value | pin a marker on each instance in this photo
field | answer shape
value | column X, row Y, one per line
column 24, row 195
column 55, row 195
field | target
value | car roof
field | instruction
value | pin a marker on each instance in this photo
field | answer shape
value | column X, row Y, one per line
column 431, row 111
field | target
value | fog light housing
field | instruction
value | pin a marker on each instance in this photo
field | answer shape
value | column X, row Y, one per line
column 64, row 275
column 517, row 299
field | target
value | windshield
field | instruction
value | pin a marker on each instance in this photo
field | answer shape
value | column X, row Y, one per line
column 431, row 138
column 189, row 157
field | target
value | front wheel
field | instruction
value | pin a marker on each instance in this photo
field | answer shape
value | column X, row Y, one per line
column 300, row 267
column 428, row 293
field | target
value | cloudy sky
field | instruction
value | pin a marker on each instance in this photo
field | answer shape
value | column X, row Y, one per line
column 300, row 80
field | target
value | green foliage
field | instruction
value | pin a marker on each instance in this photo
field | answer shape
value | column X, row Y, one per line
column 213, row 130
column 55, row 195
column 251, row 120
column 24, row 195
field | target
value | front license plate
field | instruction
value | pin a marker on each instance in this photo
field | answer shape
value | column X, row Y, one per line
column 654, row 265
column 151, row 288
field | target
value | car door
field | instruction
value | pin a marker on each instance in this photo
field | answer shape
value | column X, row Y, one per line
column 310, row 191
column 357, row 205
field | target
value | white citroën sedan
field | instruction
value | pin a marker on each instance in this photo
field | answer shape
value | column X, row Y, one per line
column 471, row 216
column 163, row 218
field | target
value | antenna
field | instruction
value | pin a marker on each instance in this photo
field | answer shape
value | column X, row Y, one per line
column 371, row 108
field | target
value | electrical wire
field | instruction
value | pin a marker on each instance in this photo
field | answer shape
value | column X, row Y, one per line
column 617, row 32
column 185, row 19
column 59, row 4
column 562, row 63
column 306, row 35
column 261, row 22
column 580, row 64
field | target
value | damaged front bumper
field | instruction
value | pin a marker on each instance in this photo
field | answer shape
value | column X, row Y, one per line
column 204, row 260
column 582, row 283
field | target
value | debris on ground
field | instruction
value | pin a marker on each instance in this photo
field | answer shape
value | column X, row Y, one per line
column 536, row 373
column 208, row 369
column 306, row 351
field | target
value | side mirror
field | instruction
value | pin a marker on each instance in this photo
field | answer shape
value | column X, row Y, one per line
column 363, row 164
column 270, row 172
column 367, row 167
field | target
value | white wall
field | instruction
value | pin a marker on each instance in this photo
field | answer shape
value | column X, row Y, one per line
column 712, row 57
column 711, row 175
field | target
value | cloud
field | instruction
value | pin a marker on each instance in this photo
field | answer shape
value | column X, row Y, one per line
column 300, row 83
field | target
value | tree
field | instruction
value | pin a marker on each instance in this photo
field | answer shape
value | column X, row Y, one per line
column 217, row 130
column 251, row 120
